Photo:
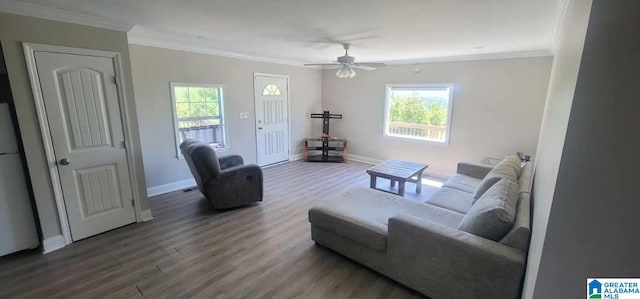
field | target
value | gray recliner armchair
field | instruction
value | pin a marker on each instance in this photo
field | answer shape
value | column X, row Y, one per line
column 226, row 182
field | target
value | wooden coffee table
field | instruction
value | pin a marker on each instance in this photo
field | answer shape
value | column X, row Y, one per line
column 398, row 171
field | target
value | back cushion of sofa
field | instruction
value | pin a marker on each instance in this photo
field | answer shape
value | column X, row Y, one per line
column 525, row 178
column 520, row 234
column 494, row 214
column 508, row 168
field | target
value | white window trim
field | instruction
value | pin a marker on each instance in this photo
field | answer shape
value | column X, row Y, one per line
column 385, row 127
column 172, row 85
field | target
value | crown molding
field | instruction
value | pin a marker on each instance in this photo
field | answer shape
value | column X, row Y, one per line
column 475, row 57
column 562, row 14
column 167, row 43
column 37, row 11
column 152, row 38
column 141, row 40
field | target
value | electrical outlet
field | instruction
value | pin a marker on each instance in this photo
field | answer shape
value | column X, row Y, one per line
column 244, row 115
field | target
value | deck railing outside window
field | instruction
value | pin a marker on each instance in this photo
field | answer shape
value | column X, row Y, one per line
column 212, row 134
column 436, row 133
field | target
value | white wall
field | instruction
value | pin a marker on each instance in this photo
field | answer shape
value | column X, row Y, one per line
column 497, row 110
column 595, row 214
column 153, row 69
column 564, row 75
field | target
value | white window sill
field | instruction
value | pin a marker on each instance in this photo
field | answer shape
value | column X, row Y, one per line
column 416, row 140
column 218, row 151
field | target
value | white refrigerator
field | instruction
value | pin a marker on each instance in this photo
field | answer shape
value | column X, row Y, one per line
column 17, row 225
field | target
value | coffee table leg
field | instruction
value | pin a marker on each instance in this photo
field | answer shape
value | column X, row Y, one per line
column 372, row 182
column 401, row 188
column 419, row 183
column 392, row 183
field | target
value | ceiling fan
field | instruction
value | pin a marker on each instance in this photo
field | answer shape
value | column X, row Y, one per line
column 346, row 64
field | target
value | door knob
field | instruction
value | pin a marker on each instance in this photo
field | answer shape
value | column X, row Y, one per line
column 259, row 128
column 65, row 161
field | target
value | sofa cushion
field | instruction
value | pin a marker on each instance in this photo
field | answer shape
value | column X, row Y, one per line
column 362, row 215
column 463, row 183
column 525, row 179
column 508, row 168
column 452, row 199
column 493, row 215
column 520, row 233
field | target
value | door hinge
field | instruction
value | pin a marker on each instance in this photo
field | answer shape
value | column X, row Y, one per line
column 116, row 80
column 123, row 144
column 133, row 203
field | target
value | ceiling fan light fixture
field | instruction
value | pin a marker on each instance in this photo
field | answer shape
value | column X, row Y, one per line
column 342, row 72
column 352, row 72
column 346, row 72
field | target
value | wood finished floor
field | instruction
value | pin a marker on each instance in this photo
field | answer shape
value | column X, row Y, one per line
column 192, row 251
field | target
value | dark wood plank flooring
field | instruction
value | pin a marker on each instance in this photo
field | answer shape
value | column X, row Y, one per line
column 192, row 251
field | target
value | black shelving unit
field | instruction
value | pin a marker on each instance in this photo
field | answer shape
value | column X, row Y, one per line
column 325, row 150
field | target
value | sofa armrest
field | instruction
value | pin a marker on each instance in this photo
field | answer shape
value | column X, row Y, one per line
column 235, row 186
column 449, row 263
column 230, row 161
column 473, row 170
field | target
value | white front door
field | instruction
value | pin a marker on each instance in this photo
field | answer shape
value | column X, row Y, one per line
column 272, row 119
column 81, row 101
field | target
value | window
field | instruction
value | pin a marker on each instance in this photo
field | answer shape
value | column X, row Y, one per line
column 271, row 90
column 199, row 114
column 420, row 112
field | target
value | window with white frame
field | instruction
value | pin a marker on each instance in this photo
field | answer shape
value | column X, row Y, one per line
column 419, row 112
column 199, row 114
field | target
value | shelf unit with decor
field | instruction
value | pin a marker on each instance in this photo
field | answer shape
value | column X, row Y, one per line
column 325, row 150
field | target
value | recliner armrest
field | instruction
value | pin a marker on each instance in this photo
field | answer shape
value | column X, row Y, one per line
column 235, row 186
column 241, row 170
column 473, row 170
column 458, row 264
column 230, row 161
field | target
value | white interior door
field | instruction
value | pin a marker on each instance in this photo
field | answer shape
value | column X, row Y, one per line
column 272, row 118
column 81, row 101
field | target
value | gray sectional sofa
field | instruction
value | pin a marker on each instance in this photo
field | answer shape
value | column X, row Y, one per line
column 468, row 240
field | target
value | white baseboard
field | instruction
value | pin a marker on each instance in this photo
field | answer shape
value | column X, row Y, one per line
column 145, row 215
column 296, row 157
column 52, row 244
column 363, row 159
column 166, row 188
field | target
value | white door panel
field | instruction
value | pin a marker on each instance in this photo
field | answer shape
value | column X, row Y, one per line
column 81, row 101
column 272, row 123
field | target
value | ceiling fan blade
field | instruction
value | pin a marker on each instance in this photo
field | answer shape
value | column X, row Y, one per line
column 322, row 64
column 363, row 67
column 337, row 40
column 326, row 66
column 371, row 64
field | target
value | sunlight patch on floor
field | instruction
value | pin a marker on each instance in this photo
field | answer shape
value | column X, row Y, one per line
column 431, row 182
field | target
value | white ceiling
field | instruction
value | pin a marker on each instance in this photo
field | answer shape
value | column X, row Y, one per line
column 285, row 30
